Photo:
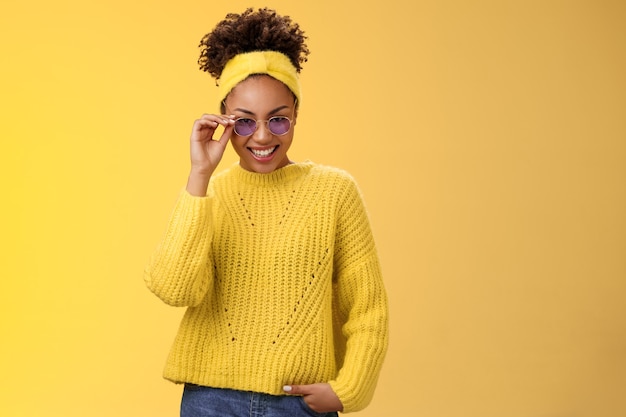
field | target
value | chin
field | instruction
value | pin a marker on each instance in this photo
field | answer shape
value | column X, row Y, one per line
column 263, row 168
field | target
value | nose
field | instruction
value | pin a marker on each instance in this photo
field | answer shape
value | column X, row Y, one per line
column 262, row 134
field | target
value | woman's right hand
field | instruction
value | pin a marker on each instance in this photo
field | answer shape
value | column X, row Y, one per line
column 207, row 152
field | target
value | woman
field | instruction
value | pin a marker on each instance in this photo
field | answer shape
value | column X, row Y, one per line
column 274, row 260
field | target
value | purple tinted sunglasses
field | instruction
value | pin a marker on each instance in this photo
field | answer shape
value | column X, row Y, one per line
column 277, row 125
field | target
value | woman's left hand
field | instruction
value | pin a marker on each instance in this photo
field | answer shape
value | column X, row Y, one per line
column 319, row 397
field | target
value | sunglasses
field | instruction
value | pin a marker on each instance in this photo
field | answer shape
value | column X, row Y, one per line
column 278, row 125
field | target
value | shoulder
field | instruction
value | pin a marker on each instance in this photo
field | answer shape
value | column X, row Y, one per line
column 338, row 184
column 332, row 174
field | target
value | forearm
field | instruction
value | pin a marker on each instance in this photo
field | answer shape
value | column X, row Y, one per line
column 363, row 301
column 177, row 271
column 356, row 381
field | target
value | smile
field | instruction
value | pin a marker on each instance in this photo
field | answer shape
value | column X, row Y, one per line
column 263, row 153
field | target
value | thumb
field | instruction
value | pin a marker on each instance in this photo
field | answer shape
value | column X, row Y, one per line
column 227, row 133
column 296, row 389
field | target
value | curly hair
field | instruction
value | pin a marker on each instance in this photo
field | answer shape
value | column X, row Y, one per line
column 261, row 30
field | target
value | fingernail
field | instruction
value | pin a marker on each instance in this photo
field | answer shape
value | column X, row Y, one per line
column 287, row 388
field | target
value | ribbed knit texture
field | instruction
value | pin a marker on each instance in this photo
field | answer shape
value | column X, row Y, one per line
column 282, row 282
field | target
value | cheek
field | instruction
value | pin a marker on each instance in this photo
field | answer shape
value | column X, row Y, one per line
column 238, row 144
column 287, row 144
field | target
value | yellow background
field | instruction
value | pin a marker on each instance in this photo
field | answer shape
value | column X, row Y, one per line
column 488, row 137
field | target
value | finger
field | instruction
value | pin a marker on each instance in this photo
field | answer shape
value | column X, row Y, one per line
column 226, row 134
column 205, row 127
column 221, row 119
column 216, row 117
column 204, row 122
column 212, row 121
column 297, row 389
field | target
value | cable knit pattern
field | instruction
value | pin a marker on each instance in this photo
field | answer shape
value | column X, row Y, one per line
column 281, row 278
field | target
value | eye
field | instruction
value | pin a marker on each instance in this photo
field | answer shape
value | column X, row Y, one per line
column 245, row 122
column 245, row 126
column 279, row 125
column 279, row 121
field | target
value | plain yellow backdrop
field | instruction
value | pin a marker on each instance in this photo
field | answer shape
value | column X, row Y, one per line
column 488, row 137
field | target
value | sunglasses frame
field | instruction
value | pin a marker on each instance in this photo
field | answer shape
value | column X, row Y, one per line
column 267, row 124
column 267, row 121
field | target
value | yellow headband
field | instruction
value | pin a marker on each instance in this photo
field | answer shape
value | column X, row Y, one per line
column 275, row 64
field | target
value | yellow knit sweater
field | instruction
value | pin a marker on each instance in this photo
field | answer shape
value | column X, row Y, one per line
column 282, row 282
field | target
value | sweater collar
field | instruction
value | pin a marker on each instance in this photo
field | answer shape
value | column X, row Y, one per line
column 282, row 175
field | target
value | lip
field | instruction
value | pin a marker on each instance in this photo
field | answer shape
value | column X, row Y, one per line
column 259, row 158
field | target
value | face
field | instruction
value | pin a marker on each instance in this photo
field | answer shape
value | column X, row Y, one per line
column 260, row 98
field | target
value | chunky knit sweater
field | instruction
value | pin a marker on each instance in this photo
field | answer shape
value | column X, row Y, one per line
column 282, row 282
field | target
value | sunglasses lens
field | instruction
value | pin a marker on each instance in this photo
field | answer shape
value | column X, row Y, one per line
column 245, row 127
column 279, row 125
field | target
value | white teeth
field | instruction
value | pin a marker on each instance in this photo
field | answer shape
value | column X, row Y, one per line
column 263, row 153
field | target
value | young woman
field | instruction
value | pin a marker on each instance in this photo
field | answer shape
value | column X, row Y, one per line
column 274, row 259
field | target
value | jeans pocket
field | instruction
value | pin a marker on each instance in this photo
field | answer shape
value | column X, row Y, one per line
column 312, row 412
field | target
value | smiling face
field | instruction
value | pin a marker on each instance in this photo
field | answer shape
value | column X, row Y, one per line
column 260, row 98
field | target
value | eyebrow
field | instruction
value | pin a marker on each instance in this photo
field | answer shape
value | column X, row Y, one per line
column 276, row 110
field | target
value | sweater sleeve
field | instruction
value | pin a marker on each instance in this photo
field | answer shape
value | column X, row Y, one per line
column 361, row 307
column 179, row 272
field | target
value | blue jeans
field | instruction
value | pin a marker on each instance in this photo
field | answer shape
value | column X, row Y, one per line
column 199, row 401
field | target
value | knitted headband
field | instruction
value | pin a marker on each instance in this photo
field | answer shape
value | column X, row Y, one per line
column 275, row 64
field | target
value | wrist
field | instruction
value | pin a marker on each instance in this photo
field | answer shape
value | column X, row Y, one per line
column 201, row 171
column 198, row 182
